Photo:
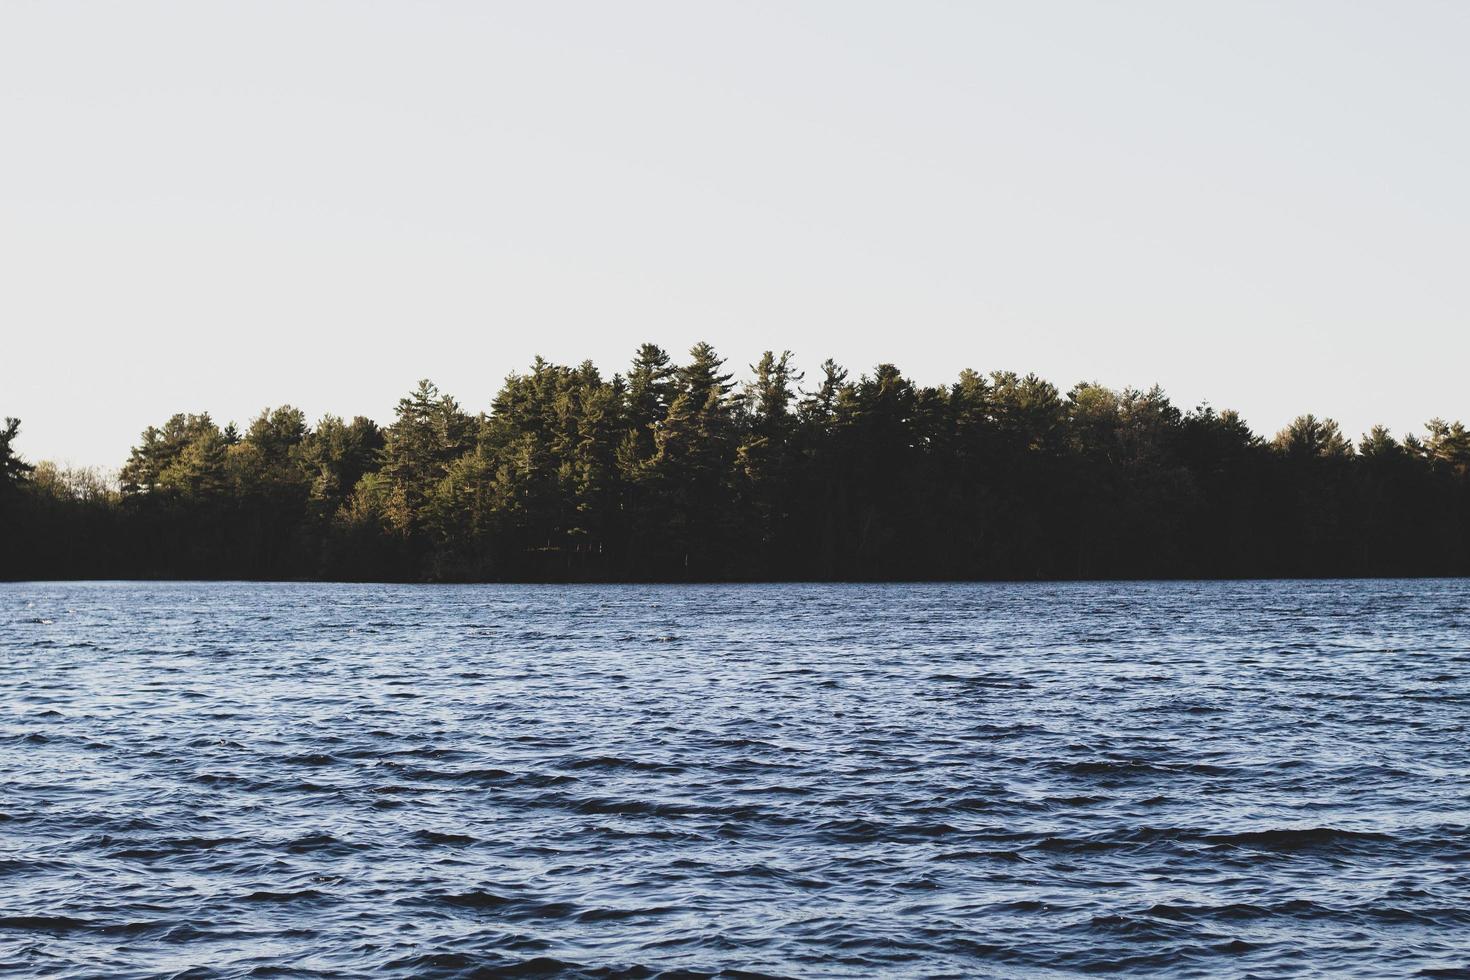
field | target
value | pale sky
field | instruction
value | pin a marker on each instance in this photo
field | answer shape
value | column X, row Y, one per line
column 224, row 206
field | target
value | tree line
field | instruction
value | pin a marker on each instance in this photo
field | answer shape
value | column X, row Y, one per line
column 673, row 472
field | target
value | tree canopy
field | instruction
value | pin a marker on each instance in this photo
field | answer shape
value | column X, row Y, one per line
column 678, row 471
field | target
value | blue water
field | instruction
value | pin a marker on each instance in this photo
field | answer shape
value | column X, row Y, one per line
column 1187, row 779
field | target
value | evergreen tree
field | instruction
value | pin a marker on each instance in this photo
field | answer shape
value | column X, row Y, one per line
column 335, row 456
column 184, row 459
column 674, row 471
column 13, row 470
column 429, row 433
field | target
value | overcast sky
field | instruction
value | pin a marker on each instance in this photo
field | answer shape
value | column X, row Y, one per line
column 223, row 206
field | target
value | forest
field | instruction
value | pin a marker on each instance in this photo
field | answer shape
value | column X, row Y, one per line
column 674, row 472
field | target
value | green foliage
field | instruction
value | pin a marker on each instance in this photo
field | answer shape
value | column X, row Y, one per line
column 184, row 459
column 673, row 471
column 1309, row 437
column 265, row 462
column 334, row 456
column 428, row 435
column 1447, row 447
column 73, row 484
column 13, row 470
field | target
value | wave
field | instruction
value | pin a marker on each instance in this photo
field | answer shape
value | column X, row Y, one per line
column 959, row 788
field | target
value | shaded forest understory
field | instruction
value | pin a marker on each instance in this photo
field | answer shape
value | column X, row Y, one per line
column 673, row 472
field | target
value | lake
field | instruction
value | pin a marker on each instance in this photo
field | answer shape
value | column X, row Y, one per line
column 1017, row 780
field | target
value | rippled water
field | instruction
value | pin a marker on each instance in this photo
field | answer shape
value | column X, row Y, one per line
column 1263, row 779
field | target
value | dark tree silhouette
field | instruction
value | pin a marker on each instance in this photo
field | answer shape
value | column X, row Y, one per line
column 13, row 469
column 675, row 472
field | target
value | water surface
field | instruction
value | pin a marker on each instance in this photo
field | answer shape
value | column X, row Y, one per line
column 1184, row 779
